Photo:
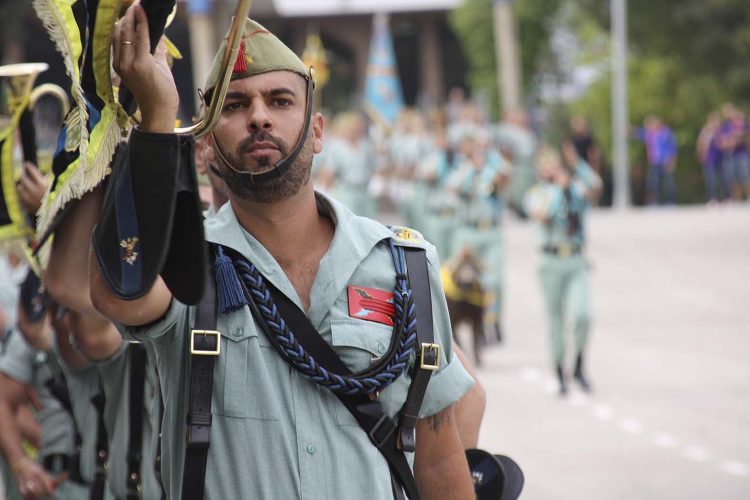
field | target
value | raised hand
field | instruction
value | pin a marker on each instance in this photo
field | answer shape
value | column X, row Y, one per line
column 147, row 76
column 31, row 187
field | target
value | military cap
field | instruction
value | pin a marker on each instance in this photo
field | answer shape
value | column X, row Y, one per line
column 260, row 52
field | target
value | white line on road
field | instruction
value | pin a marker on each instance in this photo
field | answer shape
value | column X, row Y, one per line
column 631, row 426
column 604, row 412
column 664, row 440
column 734, row 467
column 696, row 453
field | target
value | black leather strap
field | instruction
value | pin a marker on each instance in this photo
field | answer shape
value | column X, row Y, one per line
column 137, row 353
column 28, row 136
column 369, row 413
column 201, row 384
column 58, row 387
column 416, row 265
column 102, row 450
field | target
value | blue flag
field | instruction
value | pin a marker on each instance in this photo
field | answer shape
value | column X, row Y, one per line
column 384, row 98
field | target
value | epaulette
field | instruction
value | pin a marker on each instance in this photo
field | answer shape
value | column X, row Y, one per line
column 406, row 236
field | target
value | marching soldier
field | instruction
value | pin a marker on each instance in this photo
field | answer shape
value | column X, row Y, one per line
column 559, row 202
column 38, row 361
column 258, row 429
column 479, row 181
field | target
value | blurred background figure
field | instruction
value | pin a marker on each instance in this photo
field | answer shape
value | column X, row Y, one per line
column 478, row 183
column 709, row 153
column 733, row 142
column 566, row 187
column 519, row 144
column 349, row 163
column 661, row 152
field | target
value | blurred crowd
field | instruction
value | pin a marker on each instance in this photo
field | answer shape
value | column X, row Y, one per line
column 450, row 174
column 723, row 150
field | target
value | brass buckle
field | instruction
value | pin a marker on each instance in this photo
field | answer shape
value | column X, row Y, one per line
column 200, row 352
column 564, row 250
column 430, row 347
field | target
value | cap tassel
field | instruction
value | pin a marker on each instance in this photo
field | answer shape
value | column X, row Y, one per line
column 240, row 65
column 228, row 286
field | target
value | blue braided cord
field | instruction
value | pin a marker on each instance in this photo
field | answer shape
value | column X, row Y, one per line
column 302, row 361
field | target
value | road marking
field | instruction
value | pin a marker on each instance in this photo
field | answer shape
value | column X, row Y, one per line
column 696, row 453
column 664, row 440
column 631, row 426
column 734, row 467
column 604, row 412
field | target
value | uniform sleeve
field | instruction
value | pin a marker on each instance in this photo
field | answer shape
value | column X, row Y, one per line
column 162, row 330
column 451, row 381
column 587, row 176
column 17, row 361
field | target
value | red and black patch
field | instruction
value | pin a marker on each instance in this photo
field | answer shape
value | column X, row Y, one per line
column 371, row 304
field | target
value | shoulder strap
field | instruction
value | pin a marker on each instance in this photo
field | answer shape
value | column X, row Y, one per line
column 102, row 449
column 205, row 346
column 58, row 388
column 369, row 413
column 428, row 352
column 137, row 353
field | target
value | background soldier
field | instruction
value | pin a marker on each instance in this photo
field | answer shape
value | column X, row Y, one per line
column 559, row 202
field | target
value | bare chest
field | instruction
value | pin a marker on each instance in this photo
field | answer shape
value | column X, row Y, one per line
column 302, row 276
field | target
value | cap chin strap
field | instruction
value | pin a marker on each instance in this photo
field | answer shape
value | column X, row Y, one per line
column 283, row 165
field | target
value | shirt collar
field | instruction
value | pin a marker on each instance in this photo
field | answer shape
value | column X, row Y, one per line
column 353, row 239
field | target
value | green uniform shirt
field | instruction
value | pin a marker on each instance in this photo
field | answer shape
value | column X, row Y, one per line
column 28, row 366
column 275, row 434
column 549, row 199
column 115, row 377
column 83, row 386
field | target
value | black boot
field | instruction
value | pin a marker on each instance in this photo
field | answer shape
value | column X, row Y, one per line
column 579, row 376
column 561, row 379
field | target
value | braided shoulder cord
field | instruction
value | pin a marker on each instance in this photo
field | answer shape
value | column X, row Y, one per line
column 364, row 382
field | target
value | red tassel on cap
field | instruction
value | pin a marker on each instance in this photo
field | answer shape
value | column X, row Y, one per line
column 240, row 65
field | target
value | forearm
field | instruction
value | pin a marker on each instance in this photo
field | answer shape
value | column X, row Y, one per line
column 447, row 480
column 142, row 311
column 37, row 333
column 30, row 429
column 67, row 272
column 440, row 466
column 94, row 335
column 469, row 410
column 11, row 443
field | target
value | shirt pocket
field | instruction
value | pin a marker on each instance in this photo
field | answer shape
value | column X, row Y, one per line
column 244, row 386
column 359, row 344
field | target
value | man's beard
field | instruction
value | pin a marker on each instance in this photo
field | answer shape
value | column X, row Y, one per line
column 275, row 189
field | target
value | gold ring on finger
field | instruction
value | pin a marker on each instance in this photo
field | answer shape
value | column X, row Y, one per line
column 127, row 42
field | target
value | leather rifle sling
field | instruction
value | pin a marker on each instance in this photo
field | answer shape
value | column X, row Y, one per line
column 427, row 355
column 201, row 385
column 102, row 449
column 137, row 353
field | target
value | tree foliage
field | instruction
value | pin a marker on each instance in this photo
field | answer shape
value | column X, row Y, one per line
column 473, row 23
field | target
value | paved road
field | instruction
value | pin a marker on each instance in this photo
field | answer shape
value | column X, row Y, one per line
column 670, row 360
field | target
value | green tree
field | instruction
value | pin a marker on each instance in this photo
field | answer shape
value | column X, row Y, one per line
column 473, row 24
column 683, row 64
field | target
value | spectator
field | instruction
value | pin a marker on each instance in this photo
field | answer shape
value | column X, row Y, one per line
column 661, row 153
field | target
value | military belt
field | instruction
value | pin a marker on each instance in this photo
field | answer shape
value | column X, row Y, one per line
column 562, row 250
